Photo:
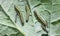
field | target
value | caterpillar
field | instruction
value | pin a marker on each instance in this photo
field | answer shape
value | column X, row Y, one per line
column 27, row 12
column 17, row 9
column 43, row 23
column 40, row 19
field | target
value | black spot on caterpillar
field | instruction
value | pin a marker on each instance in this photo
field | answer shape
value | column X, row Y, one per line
column 19, row 14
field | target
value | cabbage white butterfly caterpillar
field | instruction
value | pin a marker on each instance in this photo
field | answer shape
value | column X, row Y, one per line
column 27, row 12
column 43, row 23
column 19, row 13
column 40, row 19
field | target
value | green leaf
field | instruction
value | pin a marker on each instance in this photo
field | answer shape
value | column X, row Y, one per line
column 49, row 10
